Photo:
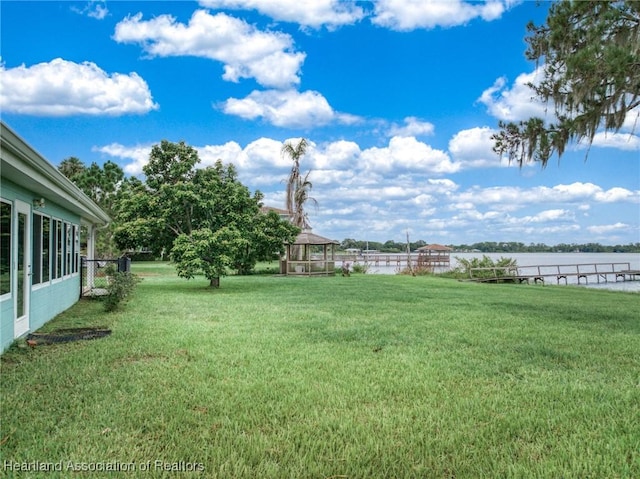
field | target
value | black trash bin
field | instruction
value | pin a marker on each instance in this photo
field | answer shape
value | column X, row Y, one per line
column 124, row 264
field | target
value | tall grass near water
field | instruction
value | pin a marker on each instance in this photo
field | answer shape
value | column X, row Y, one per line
column 361, row 376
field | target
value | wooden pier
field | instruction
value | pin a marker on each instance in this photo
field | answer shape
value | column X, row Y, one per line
column 399, row 260
column 600, row 272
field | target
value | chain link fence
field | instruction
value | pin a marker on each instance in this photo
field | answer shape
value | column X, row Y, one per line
column 94, row 279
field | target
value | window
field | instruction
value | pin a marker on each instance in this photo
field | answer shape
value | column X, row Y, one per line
column 41, row 249
column 21, row 270
column 68, row 250
column 46, row 248
column 76, row 248
column 36, row 258
column 5, row 248
column 58, row 247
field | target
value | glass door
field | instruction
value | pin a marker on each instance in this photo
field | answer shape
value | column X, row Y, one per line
column 22, row 268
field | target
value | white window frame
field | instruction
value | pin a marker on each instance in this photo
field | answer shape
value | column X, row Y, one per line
column 57, row 274
column 43, row 282
column 9, row 295
column 76, row 249
column 67, row 250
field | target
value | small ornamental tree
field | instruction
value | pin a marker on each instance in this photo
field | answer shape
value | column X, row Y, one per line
column 207, row 252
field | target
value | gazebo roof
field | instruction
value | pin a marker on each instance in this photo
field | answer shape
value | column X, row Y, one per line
column 280, row 211
column 434, row 247
column 307, row 237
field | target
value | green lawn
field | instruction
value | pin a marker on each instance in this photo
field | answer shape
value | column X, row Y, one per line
column 360, row 377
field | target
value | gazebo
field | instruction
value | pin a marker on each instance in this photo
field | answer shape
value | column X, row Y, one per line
column 434, row 256
column 309, row 255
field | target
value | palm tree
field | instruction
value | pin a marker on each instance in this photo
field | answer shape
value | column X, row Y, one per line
column 301, row 195
column 298, row 187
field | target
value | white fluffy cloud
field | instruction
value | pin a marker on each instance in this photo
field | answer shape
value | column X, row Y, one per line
column 313, row 13
column 607, row 229
column 412, row 127
column 263, row 154
column 286, row 108
column 572, row 193
column 63, row 88
column 401, row 15
column 405, row 15
column 515, row 103
column 94, row 9
column 246, row 52
column 550, row 215
column 407, row 153
column 615, row 195
column 138, row 155
column 620, row 141
column 403, row 159
column 339, row 160
column 228, row 153
column 473, row 148
column 340, row 154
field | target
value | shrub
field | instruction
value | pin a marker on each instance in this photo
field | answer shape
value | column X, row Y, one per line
column 346, row 269
column 119, row 288
column 501, row 267
column 360, row 268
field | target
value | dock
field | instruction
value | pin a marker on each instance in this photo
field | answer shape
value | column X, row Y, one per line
column 599, row 272
column 440, row 260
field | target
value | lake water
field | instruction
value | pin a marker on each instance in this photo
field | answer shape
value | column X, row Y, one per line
column 551, row 259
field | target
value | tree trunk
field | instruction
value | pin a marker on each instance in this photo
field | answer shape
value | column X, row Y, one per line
column 215, row 282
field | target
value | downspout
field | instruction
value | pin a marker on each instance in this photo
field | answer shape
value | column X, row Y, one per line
column 91, row 242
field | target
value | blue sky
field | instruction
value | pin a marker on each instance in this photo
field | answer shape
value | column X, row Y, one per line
column 399, row 99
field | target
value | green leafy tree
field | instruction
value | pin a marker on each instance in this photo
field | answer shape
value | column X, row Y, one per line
column 102, row 185
column 205, row 218
column 72, row 168
column 207, row 252
column 265, row 234
column 156, row 212
column 591, row 62
column 98, row 183
column 391, row 246
column 348, row 243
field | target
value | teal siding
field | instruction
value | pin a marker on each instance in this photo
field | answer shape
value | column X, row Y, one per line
column 51, row 300
column 6, row 324
column 46, row 299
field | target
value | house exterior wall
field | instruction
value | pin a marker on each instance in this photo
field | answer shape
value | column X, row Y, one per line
column 48, row 298
column 6, row 324
column 47, row 302
column 42, row 212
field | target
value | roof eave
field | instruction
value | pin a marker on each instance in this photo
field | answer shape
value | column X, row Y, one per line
column 24, row 166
